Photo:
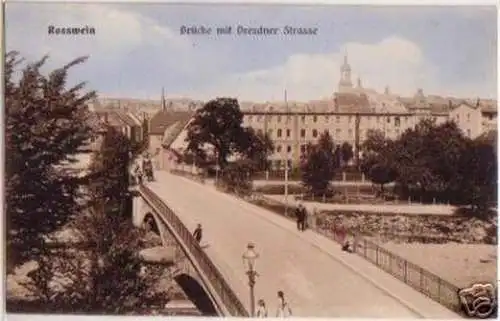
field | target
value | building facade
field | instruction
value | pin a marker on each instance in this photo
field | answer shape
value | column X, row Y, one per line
column 353, row 111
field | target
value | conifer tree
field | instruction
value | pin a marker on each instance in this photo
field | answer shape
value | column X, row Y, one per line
column 45, row 128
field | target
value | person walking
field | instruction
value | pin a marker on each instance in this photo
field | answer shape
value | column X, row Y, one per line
column 298, row 215
column 198, row 233
column 304, row 216
column 261, row 309
column 284, row 309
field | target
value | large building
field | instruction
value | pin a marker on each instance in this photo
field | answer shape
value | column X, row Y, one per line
column 353, row 111
column 348, row 116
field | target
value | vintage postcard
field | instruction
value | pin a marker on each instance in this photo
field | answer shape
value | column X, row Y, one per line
column 251, row 160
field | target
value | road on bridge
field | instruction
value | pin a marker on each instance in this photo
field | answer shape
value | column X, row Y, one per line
column 315, row 282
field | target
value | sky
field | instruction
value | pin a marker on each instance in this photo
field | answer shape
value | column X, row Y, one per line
column 138, row 49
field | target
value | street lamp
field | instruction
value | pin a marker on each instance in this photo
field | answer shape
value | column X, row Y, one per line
column 249, row 259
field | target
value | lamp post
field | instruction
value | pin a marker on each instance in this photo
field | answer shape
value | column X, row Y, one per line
column 249, row 259
column 286, row 158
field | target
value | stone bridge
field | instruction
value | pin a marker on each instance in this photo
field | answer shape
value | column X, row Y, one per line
column 190, row 267
column 318, row 278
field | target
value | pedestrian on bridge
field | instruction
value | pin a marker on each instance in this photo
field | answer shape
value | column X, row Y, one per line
column 300, row 215
column 198, row 233
column 284, row 309
column 261, row 309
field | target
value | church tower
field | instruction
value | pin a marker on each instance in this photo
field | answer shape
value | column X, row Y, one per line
column 345, row 83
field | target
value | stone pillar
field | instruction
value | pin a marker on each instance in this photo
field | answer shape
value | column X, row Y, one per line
column 137, row 211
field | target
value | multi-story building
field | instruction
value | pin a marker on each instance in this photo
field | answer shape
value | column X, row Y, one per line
column 348, row 116
column 353, row 111
column 125, row 121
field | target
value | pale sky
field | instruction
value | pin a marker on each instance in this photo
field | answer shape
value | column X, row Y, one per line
column 138, row 49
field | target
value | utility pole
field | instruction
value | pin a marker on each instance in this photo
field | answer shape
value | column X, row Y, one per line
column 286, row 158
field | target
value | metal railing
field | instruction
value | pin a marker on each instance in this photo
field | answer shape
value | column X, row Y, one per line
column 415, row 276
column 208, row 269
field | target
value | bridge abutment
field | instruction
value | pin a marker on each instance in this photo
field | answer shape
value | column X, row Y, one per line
column 182, row 271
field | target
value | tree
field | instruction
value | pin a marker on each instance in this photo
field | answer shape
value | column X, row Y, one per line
column 478, row 175
column 318, row 165
column 219, row 125
column 378, row 161
column 104, row 274
column 45, row 128
column 256, row 147
column 428, row 159
column 347, row 152
column 382, row 174
column 109, row 171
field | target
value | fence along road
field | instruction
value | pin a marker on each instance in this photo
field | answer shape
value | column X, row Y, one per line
column 315, row 283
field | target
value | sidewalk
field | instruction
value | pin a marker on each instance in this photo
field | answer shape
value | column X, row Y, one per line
column 413, row 209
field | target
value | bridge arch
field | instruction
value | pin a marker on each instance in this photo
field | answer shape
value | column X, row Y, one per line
column 196, row 294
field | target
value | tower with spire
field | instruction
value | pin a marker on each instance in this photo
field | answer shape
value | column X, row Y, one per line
column 345, row 83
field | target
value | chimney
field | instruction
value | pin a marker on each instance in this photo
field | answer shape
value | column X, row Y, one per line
column 163, row 102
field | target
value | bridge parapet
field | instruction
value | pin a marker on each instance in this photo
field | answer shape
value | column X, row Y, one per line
column 223, row 296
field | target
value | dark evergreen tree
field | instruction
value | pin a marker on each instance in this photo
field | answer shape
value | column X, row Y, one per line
column 45, row 128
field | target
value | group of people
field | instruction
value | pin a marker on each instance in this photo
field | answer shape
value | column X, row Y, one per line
column 144, row 169
column 283, row 310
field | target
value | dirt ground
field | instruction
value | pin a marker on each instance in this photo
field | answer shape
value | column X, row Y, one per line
column 460, row 264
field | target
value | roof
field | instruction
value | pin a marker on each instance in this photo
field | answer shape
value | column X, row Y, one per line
column 489, row 136
column 166, row 118
column 128, row 119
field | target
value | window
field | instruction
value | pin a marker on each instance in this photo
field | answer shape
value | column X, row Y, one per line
column 289, row 161
column 279, row 133
column 259, row 131
column 303, row 118
column 250, row 118
column 288, row 149
column 302, row 133
column 397, row 131
column 288, row 133
column 315, row 133
column 337, row 131
column 270, row 132
column 315, row 118
column 388, row 119
column 278, row 119
column 288, row 118
column 397, row 121
column 302, row 148
column 259, row 118
column 279, row 148
column 468, row 117
column 327, row 118
column 277, row 164
column 337, row 119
